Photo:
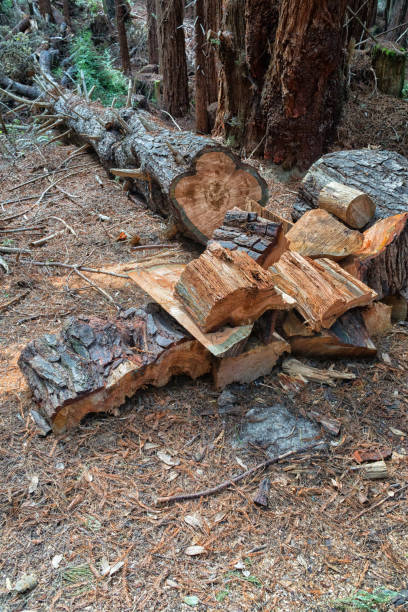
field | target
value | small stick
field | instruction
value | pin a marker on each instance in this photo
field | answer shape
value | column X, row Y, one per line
column 173, row 120
column 14, row 300
column 101, row 291
column 129, row 94
column 227, row 483
column 4, row 249
column 16, row 230
column 380, row 503
column 152, row 246
column 58, row 137
column 66, row 225
column 41, row 176
column 42, row 241
column 60, row 264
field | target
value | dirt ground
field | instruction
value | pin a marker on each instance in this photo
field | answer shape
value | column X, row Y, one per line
column 71, row 505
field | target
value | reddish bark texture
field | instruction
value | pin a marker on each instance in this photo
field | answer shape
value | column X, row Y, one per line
column 303, row 96
column 152, row 42
column 120, row 12
column 399, row 16
column 206, row 91
column 45, row 8
column 172, row 55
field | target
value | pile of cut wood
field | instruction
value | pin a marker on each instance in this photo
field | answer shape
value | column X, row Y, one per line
column 262, row 287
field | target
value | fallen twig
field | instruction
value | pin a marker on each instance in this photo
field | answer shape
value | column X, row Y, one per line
column 227, row 483
column 45, row 239
column 99, row 289
column 5, row 249
column 380, row 503
column 60, row 264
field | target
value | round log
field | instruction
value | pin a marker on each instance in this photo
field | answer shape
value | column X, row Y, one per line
column 349, row 204
column 190, row 177
column 382, row 175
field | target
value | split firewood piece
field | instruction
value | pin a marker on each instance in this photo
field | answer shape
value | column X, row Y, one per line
column 349, row 204
column 93, row 365
column 382, row 261
column 348, row 337
column 323, row 291
column 228, row 287
column 294, row 325
column 296, row 368
column 319, row 234
column 377, row 318
column 265, row 326
column 375, row 471
column 252, row 206
column 158, row 281
column 257, row 360
column 263, row 240
column 398, row 305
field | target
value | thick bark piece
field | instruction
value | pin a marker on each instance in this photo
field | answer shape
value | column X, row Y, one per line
column 319, row 234
column 191, row 177
column 382, row 261
column 172, row 54
column 348, row 337
column 252, row 206
column 122, row 36
column 323, row 291
column 93, row 365
column 262, row 240
column 158, row 281
column 383, row 175
column 227, row 287
column 347, row 203
column 389, row 65
column 377, row 318
column 152, row 42
column 257, row 360
column 304, row 90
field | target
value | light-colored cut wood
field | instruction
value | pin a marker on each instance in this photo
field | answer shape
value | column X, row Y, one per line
column 322, row 290
column 294, row 367
column 375, row 471
column 349, row 204
column 382, row 261
column 159, row 281
column 257, row 360
column 377, row 318
column 227, row 287
column 294, row 326
column 135, row 173
column 319, row 234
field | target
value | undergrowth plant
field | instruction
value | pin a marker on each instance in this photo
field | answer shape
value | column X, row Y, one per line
column 377, row 601
column 98, row 70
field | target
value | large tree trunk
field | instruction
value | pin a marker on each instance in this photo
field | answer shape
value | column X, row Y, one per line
column 181, row 174
column 122, row 36
column 303, row 96
column 152, row 42
column 244, row 45
column 45, row 9
column 172, row 54
column 399, row 16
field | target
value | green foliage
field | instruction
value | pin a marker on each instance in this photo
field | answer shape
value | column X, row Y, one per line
column 93, row 6
column 16, row 57
column 405, row 90
column 362, row 600
column 98, row 70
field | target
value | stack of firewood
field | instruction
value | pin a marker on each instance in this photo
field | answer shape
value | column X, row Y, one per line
column 262, row 287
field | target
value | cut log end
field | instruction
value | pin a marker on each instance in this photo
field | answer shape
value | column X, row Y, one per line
column 219, row 183
column 351, row 205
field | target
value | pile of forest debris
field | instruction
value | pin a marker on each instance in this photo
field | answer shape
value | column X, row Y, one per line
column 262, row 287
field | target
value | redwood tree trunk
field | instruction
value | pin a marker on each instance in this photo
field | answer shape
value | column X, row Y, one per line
column 399, row 16
column 152, row 43
column 66, row 11
column 122, row 37
column 45, row 9
column 172, row 55
column 303, row 95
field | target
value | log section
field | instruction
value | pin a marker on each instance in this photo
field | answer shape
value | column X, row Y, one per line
column 93, row 365
column 347, row 203
column 227, row 287
column 377, row 318
column 319, row 234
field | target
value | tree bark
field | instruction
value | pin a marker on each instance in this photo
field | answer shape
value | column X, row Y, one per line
column 399, row 15
column 152, row 42
column 66, row 12
column 45, row 9
column 172, row 54
column 122, row 36
column 303, row 96
column 367, row 12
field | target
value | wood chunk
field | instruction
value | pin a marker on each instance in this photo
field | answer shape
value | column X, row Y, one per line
column 399, row 307
column 348, row 337
column 323, row 291
column 377, row 318
column 382, row 261
column 331, row 425
column 349, row 204
column 319, row 234
column 264, row 327
column 261, row 497
column 375, row 471
column 261, row 239
column 296, row 368
column 293, row 325
column 227, row 287
column 253, row 206
column 382, row 175
column 159, row 281
column 93, row 365
column 257, row 360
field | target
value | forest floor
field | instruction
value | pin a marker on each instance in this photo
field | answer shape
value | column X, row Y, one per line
column 71, row 504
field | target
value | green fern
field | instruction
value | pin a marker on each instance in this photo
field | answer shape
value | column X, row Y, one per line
column 363, row 600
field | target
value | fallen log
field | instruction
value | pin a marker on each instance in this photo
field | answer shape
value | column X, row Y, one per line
column 189, row 177
column 256, row 360
column 227, row 287
column 323, row 291
column 347, row 337
column 319, row 234
column 158, row 281
column 382, row 261
column 349, row 204
column 249, row 232
column 93, row 365
column 382, row 175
